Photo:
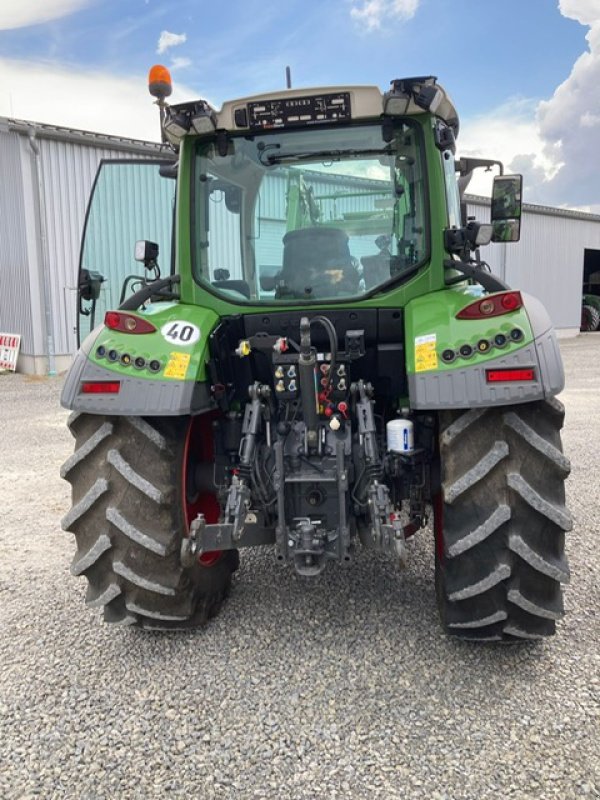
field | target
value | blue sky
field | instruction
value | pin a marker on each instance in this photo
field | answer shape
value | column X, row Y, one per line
column 514, row 69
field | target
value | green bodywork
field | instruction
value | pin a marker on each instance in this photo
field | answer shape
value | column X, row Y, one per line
column 177, row 360
column 427, row 316
column 435, row 315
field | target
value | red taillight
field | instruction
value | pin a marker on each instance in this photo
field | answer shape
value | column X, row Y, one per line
column 510, row 301
column 100, row 387
column 508, row 375
column 492, row 305
column 127, row 323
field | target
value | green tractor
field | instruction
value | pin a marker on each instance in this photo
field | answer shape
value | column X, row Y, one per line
column 325, row 364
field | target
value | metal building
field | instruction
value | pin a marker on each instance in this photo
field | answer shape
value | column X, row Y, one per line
column 47, row 174
column 549, row 260
column 46, row 177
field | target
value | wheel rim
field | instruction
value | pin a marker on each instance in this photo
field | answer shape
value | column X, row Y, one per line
column 198, row 449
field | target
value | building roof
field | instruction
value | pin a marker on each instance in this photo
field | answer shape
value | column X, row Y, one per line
column 59, row 133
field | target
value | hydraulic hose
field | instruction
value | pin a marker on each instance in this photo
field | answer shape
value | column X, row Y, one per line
column 144, row 294
column 331, row 332
column 306, row 374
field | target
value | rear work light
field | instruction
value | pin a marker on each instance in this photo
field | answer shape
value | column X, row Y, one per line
column 127, row 323
column 100, row 387
column 509, row 375
column 493, row 305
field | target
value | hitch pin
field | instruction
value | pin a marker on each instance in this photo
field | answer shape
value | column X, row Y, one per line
column 190, row 545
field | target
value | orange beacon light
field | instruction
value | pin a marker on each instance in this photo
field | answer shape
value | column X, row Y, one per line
column 159, row 82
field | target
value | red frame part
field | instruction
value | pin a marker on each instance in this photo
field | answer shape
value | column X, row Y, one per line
column 199, row 441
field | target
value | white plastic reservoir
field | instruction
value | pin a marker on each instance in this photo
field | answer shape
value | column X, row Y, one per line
column 400, row 436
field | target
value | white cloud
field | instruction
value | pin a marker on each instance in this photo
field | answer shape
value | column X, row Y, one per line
column 588, row 120
column 168, row 39
column 373, row 12
column 180, row 62
column 102, row 102
column 33, row 12
column 585, row 11
column 554, row 143
column 568, row 121
column 505, row 135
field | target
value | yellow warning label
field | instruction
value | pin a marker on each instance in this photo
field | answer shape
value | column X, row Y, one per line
column 425, row 352
column 177, row 365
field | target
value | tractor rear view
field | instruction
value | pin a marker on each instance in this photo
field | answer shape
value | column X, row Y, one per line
column 326, row 364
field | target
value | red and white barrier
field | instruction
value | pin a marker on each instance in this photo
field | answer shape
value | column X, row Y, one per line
column 9, row 351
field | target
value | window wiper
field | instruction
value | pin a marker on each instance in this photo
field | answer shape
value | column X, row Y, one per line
column 329, row 155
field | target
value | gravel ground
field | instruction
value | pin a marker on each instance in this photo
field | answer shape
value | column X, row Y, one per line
column 341, row 688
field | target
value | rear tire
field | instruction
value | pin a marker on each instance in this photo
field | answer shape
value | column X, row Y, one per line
column 500, row 522
column 129, row 519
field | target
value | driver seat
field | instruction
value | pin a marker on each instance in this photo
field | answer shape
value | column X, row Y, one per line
column 317, row 263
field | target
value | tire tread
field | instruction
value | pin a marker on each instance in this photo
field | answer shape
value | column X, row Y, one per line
column 128, row 520
column 502, row 562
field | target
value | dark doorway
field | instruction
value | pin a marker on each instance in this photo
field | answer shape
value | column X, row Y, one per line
column 590, row 309
column 591, row 272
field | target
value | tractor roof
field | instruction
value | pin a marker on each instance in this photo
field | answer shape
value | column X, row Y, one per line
column 298, row 108
column 330, row 103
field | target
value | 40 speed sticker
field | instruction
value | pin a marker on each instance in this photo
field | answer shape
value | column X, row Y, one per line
column 178, row 331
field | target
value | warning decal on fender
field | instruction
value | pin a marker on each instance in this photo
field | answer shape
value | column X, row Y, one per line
column 180, row 332
column 425, row 352
column 177, row 365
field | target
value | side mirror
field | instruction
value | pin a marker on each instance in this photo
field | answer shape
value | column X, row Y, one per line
column 506, row 208
column 146, row 252
column 90, row 284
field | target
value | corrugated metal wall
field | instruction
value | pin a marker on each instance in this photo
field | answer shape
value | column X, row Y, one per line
column 15, row 294
column 47, row 196
column 68, row 172
column 548, row 261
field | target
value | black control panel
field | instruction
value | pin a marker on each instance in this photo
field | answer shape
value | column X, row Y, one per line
column 291, row 111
